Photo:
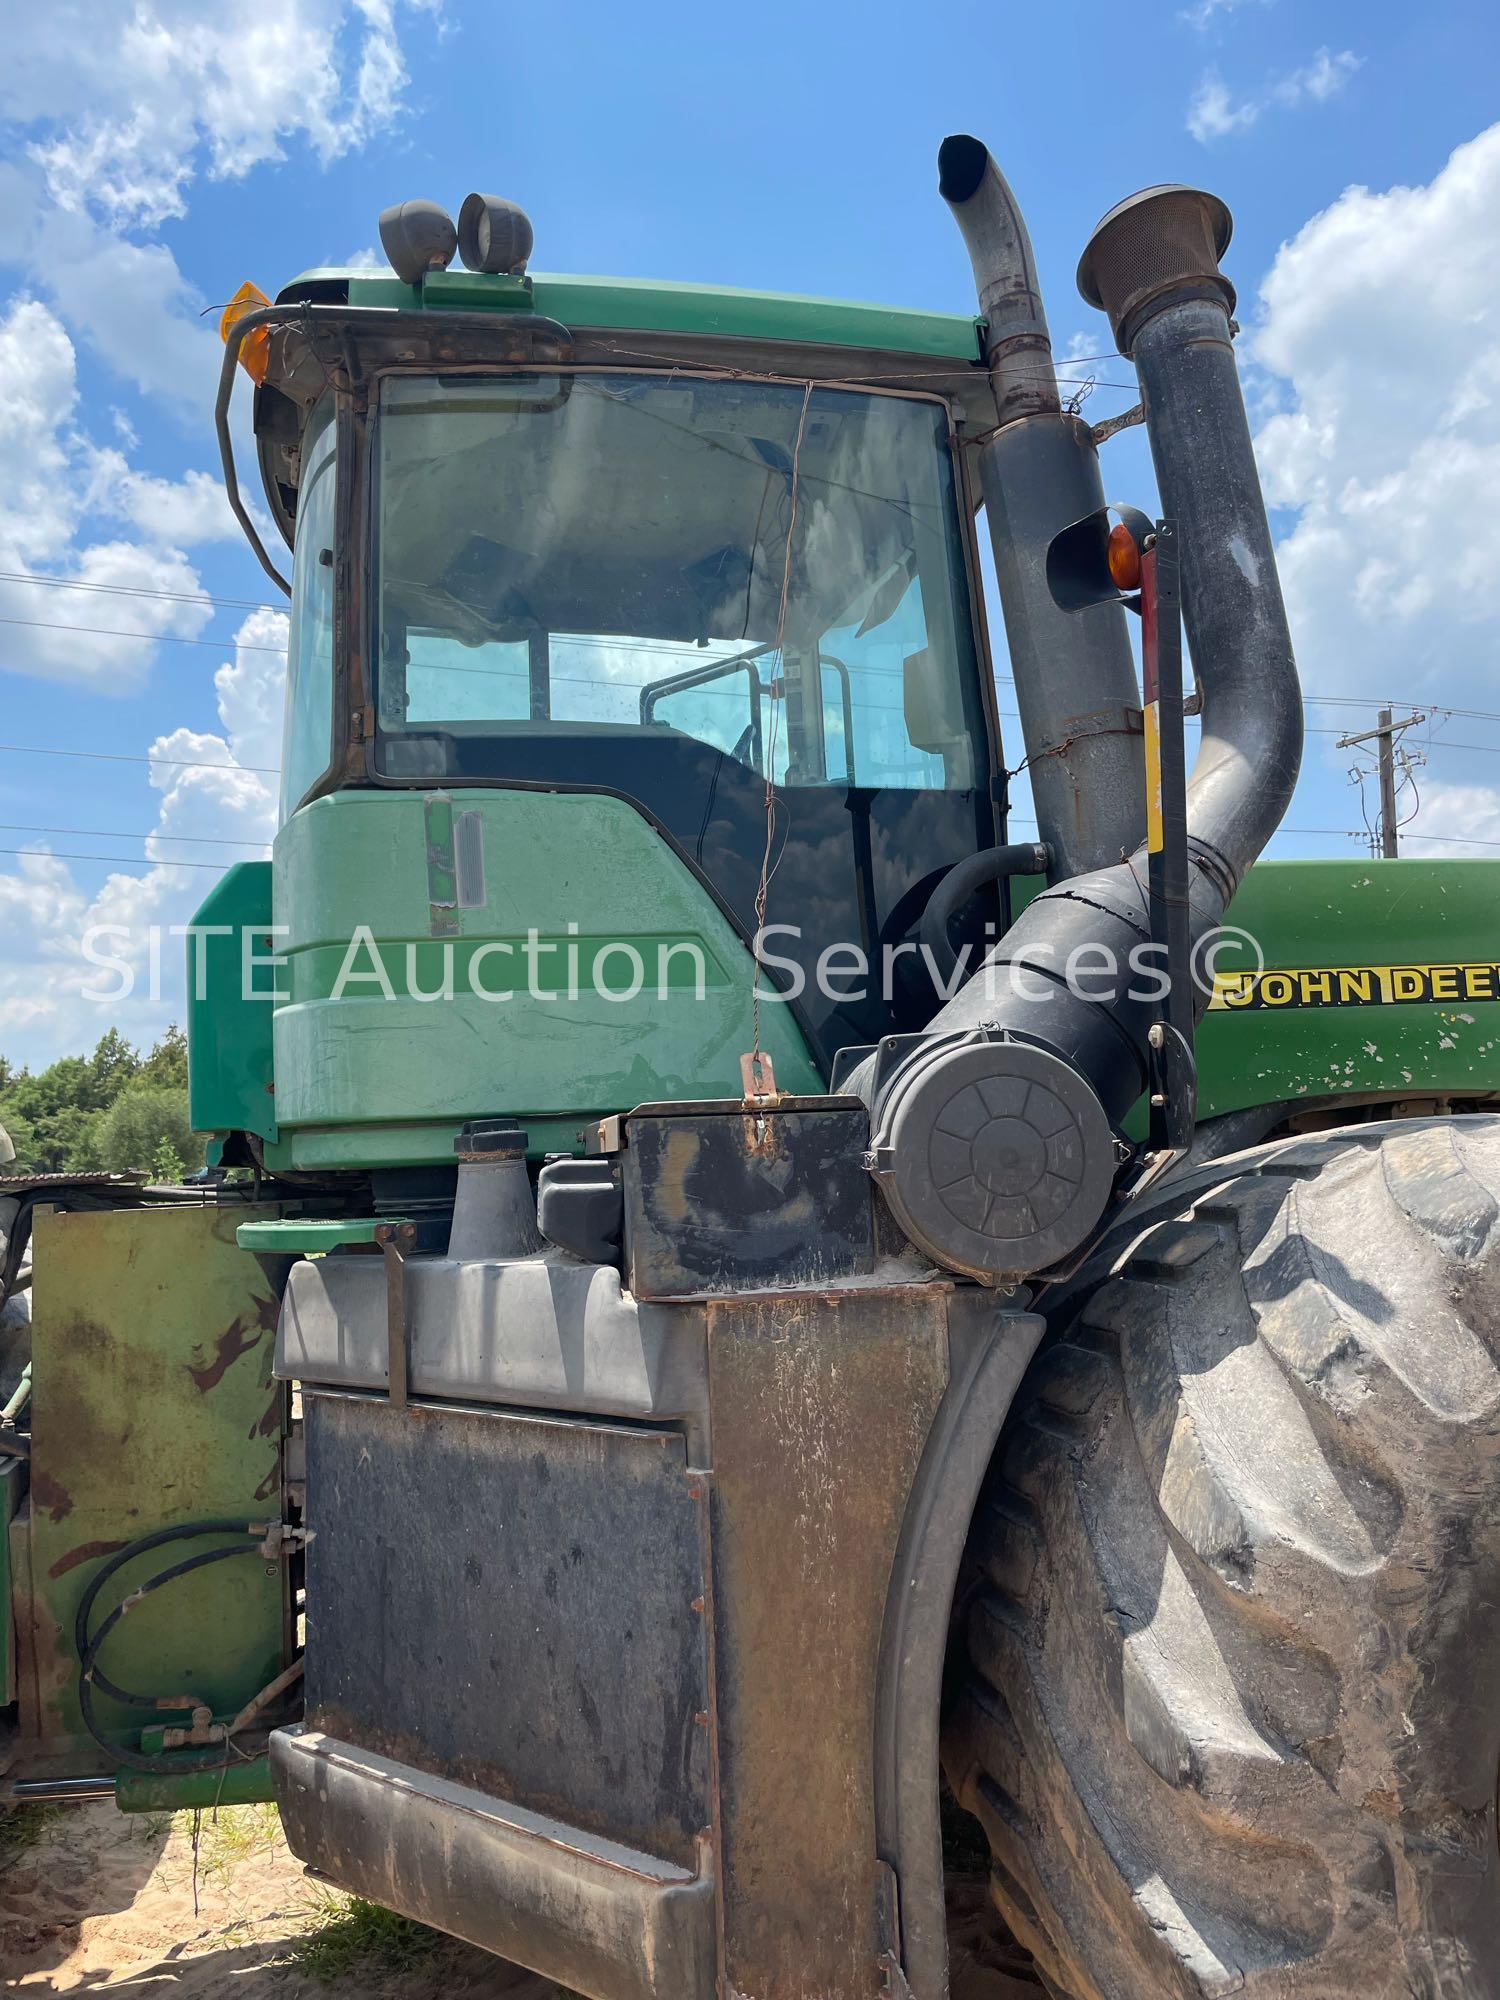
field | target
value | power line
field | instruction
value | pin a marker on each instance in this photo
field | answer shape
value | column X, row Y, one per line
column 120, row 757
column 139, row 590
column 1453, row 839
column 46, row 854
column 149, row 638
column 106, row 833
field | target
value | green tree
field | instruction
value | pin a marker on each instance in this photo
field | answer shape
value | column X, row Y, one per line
column 63, row 1119
column 111, row 1066
column 167, row 1062
column 147, row 1123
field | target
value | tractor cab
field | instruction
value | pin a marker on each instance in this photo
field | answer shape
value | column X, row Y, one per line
column 624, row 617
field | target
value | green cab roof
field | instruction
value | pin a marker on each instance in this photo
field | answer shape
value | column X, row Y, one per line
column 662, row 306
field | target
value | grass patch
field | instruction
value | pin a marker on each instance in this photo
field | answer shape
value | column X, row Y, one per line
column 347, row 1934
column 22, row 1827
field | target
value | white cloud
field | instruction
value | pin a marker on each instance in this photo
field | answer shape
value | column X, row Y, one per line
column 1379, row 335
column 1317, row 81
column 1214, row 114
column 123, row 103
column 181, row 512
column 45, row 917
column 116, row 110
column 57, row 489
column 1206, row 12
column 1455, row 819
column 1382, row 320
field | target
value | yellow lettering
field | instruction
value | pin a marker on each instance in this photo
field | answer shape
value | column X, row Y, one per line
column 1356, row 985
column 1444, row 982
column 1276, row 989
column 1408, row 982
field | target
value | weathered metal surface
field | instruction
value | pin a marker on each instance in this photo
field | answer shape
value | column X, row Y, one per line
column 533, row 1332
column 154, row 1404
column 238, row 1784
column 515, row 1603
column 720, row 1199
column 105, row 1183
column 12, row 1473
column 821, row 1407
column 989, row 1348
column 596, row 1916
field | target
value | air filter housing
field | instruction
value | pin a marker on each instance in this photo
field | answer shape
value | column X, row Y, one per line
column 995, row 1156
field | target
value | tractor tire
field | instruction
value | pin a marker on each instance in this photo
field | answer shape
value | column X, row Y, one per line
column 1225, row 1686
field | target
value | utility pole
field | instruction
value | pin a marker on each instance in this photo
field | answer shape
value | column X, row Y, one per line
column 1384, row 735
column 1387, row 737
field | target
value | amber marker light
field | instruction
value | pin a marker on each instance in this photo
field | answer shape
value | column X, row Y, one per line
column 1124, row 557
column 255, row 348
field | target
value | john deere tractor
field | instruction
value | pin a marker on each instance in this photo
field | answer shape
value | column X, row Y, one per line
column 779, row 1389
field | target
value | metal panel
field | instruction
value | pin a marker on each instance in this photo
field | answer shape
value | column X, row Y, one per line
column 229, row 1013
column 589, row 1913
column 821, row 1406
column 537, row 1331
column 360, row 857
column 989, row 1350
column 153, row 1405
column 516, row 1604
column 11, row 1475
column 719, row 1199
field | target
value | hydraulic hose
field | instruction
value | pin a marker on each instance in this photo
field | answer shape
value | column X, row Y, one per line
column 91, row 1677
column 990, row 864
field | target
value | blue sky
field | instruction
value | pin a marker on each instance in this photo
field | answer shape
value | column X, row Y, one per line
column 153, row 157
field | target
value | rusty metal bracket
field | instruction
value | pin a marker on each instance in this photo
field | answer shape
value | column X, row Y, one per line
column 607, row 1135
column 1112, row 426
column 396, row 1239
column 758, row 1080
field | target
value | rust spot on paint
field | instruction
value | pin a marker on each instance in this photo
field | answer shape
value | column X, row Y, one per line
column 85, row 1552
column 50, row 1498
column 237, row 1338
column 270, row 1423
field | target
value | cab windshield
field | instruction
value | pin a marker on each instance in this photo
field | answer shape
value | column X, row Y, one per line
column 674, row 588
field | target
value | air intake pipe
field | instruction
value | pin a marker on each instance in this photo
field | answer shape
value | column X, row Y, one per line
column 993, row 1134
column 1039, row 473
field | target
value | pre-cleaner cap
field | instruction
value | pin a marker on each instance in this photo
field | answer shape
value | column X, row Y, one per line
column 1163, row 241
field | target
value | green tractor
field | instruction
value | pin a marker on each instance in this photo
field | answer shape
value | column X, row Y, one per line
column 775, row 1391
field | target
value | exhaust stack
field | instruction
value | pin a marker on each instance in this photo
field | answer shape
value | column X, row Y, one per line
column 1074, row 673
column 993, row 1133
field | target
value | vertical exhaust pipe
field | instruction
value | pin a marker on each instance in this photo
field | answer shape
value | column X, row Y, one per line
column 993, row 1134
column 1152, row 264
column 1039, row 472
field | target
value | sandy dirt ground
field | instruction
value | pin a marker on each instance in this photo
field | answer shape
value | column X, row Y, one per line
column 100, row 1901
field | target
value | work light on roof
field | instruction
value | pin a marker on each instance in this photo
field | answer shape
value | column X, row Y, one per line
column 494, row 235
column 417, row 237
